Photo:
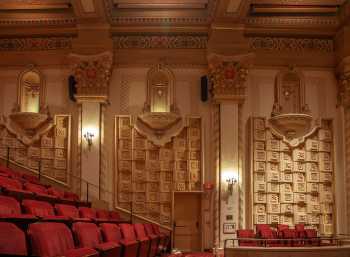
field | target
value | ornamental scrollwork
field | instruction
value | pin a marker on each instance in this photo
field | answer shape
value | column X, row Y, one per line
column 92, row 74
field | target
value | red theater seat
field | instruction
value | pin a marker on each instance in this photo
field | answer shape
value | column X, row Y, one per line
column 164, row 238
column 55, row 239
column 311, row 237
column 129, row 235
column 70, row 211
column 89, row 235
column 291, row 234
column 269, row 234
column 145, row 242
column 155, row 239
column 112, row 233
column 13, row 187
column 90, row 213
column 12, row 240
column 106, row 215
column 300, row 229
column 114, row 215
column 10, row 209
column 39, row 190
column 42, row 209
column 55, row 192
column 31, row 178
column 71, row 196
column 246, row 233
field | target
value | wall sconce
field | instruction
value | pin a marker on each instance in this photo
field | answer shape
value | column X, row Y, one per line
column 230, row 183
column 88, row 137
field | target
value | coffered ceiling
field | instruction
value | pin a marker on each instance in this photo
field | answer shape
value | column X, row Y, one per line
column 20, row 18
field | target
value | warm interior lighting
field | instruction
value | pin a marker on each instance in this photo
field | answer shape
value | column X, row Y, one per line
column 89, row 134
column 231, row 178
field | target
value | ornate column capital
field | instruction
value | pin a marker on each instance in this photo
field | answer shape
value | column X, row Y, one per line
column 92, row 74
column 227, row 75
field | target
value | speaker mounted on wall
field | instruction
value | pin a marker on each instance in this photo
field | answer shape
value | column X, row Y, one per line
column 72, row 89
column 204, row 88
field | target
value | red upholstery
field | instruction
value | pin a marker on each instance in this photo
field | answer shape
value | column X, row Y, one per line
column 10, row 208
column 90, row 213
column 270, row 234
column 31, row 178
column 69, row 211
column 71, row 196
column 246, row 233
column 13, row 185
column 280, row 228
column 56, row 192
column 55, row 239
column 112, row 233
column 38, row 190
column 290, row 234
column 41, row 209
column 102, row 214
column 114, row 215
column 311, row 237
column 300, row 228
column 154, row 239
column 89, row 235
column 145, row 242
column 164, row 238
column 12, row 240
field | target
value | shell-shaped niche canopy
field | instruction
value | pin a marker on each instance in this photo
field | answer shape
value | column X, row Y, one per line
column 160, row 120
column 290, row 117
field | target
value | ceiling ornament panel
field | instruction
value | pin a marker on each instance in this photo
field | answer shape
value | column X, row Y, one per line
column 35, row 44
column 284, row 44
column 161, row 42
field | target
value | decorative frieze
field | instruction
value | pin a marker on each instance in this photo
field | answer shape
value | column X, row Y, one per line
column 284, row 44
column 92, row 73
column 35, row 44
column 161, row 42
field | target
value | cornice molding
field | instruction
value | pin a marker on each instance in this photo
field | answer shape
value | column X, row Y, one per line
column 293, row 21
column 160, row 42
column 285, row 44
column 35, row 44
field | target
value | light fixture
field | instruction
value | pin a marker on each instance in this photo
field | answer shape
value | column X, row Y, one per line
column 230, row 182
column 88, row 137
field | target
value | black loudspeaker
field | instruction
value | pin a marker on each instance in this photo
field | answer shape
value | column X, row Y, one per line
column 72, row 90
column 204, row 89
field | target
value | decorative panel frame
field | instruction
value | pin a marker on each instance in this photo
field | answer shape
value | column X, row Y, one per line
column 291, row 184
column 146, row 175
column 52, row 150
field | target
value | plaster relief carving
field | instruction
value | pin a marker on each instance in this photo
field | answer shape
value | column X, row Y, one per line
column 228, row 75
column 92, row 73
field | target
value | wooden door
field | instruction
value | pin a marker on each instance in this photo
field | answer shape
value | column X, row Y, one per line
column 187, row 221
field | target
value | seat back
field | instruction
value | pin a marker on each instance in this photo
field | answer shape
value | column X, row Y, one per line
column 260, row 227
column 310, row 233
column 245, row 233
column 31, row 178
column 289, row 233
column 35, row 188
column 10, row 183
column 299, row 227
column 87, row 234
column 9, row 205
column 267, row 234
column 149, row 229
column 281, row 227
column 102, row 214
column 140, row 231
column 71, row 196
column 114, row 215
column 67, row 210
column 128, row 232
column 12, row 239
column 38, row 208
column 55, row 192
column 49, row 239
column 156, row 229
column 111, row 232
column 86, row 212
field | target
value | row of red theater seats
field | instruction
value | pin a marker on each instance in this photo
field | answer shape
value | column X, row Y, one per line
column 50, row 239
column 29, row 186
column 264, row 231
column 10, row 208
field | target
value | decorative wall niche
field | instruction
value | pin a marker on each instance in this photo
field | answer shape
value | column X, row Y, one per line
column 31, row 90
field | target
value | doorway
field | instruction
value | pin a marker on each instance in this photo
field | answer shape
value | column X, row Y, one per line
column 187, row 221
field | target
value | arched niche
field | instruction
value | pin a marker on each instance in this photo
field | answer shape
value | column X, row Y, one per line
column 160, row 90
column 289, row 93
column 31, row 90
